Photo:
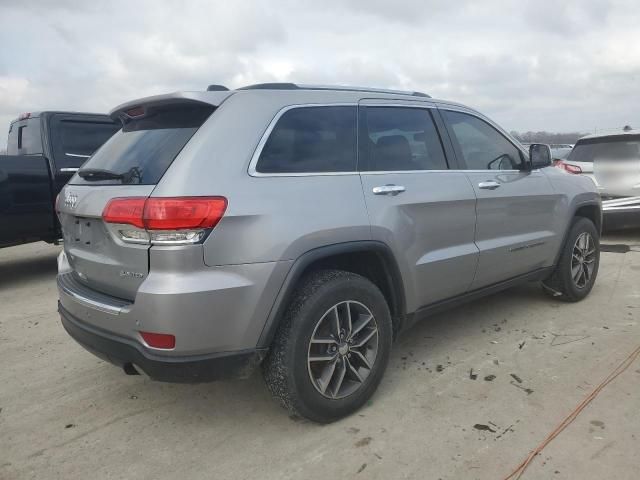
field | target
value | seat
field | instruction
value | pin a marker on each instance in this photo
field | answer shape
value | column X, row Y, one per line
column 393, row 153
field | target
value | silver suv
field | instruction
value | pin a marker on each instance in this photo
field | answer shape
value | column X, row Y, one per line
column 302, row 228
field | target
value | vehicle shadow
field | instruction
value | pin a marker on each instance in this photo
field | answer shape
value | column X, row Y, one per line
column 245, row 405
column 16, row 270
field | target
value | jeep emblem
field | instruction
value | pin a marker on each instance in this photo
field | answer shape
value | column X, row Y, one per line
column 70, row 200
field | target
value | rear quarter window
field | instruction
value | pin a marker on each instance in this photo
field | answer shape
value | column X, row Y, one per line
column 311, row 140
column 25, row 137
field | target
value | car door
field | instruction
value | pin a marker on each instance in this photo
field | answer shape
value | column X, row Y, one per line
column 73, row 139
column 515, row 220
column 424, row 211
column 26, row 208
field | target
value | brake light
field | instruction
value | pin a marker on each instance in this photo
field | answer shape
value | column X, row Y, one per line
column 159, row 340
column 167, row 220
column 568, row 167
column 135, row 112
column 125, row 210
column 183, row 212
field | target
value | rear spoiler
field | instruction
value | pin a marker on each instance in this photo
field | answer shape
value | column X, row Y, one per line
column 206, row 98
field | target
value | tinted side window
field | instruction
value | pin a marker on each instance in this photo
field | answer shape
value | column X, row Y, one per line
column 311, row 140
column 400, row 138
column 77, row 140
column 482, row 147
column 24, row 138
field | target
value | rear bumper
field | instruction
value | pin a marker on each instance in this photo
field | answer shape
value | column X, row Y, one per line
column 127, row 353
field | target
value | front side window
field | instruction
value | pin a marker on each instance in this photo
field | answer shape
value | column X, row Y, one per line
column 481, row 146
column 311, row 140
column 401, row 139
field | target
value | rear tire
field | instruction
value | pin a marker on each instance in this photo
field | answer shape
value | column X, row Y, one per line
column 577, row 268
column 314, row 371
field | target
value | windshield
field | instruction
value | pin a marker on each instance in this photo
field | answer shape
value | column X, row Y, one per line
column 142, row 151
column 614, row 148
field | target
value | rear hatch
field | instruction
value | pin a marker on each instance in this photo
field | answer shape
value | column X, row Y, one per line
column 112, row 257
column 612, row 161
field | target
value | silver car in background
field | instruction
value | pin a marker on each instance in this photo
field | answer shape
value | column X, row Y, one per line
column 612, row 161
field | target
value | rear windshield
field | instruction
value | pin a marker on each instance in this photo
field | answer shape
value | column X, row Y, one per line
column 75, row 140
column 614, row 148
column 142, row 151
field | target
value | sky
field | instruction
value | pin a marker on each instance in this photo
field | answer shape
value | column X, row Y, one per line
column 529, row 65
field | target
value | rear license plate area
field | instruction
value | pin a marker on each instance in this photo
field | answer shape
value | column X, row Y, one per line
column 83, row 229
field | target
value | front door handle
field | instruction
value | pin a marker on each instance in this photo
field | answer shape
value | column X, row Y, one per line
column 388, row 189
column 488, row 185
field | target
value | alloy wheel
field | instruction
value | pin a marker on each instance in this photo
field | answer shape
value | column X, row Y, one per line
column 583, row 259
column 343, row 349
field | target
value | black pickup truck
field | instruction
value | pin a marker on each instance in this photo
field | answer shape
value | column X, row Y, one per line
column 44, row 150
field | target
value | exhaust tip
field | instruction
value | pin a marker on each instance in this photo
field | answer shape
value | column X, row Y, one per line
column 129, row 369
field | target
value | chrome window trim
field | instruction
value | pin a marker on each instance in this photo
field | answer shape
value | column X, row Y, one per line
column 427, row 105
column 267, row 133
column 450, row 170
column 394, row 103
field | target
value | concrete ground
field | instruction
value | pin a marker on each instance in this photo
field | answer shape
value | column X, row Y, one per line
column 64, row 414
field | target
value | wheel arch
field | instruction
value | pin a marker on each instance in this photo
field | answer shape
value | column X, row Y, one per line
column 589, row 210
column 371, row 259
column 593, row 212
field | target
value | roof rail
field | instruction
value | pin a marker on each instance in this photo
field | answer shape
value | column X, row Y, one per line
column 342, row 88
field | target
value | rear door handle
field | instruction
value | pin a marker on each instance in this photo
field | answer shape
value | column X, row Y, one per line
column 69, row 170
column 388, row 189
column 488, row 185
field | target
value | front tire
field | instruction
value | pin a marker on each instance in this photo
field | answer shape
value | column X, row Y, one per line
column 332, row 348
column 577, row 269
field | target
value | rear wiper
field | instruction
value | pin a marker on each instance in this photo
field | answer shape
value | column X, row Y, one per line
column 133, row 175
column 91, row 174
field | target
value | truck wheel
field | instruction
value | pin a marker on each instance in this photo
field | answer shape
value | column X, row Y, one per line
column 332, row 347
column 577, row 269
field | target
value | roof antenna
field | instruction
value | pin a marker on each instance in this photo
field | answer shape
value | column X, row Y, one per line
column 217, row 88
column 627, row 128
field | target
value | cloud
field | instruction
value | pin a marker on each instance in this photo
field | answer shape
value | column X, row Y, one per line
column 530, row 65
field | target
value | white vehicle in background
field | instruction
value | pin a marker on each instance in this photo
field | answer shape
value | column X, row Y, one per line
column 612, row 161
column 560, row 151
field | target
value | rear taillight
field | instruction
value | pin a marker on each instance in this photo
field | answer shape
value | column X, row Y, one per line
column 166, row 220
column 568, row 167
column 183, row 212
column 126, row 211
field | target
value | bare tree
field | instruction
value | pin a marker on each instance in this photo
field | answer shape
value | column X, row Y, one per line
column 547, row 137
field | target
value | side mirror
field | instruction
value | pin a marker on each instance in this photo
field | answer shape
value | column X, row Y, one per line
column 539, row 155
